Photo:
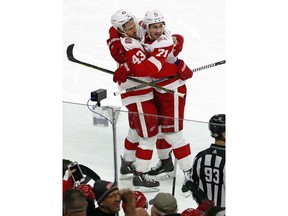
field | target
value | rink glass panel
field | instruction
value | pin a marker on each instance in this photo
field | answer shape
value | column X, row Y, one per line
column 89, row 141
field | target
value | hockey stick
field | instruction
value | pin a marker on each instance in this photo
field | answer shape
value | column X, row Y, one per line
column 142, row 85
column 167, row 78
column 71, row 57
column 209, row 66
column 174, row 178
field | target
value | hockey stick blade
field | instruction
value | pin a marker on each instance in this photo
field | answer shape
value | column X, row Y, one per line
column 69, row 53
column 71, row 57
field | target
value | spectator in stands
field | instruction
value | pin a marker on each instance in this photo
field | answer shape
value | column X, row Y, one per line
column 67, row 175
column 65, row 163
column 164, row 204
column 86, row 189
column 141, row 212
column 141, row 204
column 74, row 203
column 109, row 197
column 89, row 173
column 67, row 181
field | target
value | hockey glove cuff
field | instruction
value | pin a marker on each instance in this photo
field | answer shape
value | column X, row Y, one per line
column 121, row 74
column 116, row 48
column 178, row 43
column 184, row 71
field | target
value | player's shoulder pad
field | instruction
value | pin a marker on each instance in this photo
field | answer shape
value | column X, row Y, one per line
column 163, row 41
column 130, row 43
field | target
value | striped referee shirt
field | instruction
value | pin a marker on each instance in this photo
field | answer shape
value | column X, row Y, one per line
column 209, row 173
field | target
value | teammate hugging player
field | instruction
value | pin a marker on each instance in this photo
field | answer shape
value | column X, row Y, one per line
column 146, row 50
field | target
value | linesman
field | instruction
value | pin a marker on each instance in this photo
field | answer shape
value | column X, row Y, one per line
column 209, row 165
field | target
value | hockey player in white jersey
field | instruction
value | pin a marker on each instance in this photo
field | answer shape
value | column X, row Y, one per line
column 131, row 142
column 168, row 105
column 158, row 43
column 159, row 49
column 143, row 128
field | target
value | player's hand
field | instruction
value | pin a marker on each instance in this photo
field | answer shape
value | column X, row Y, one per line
column 116, row 49
column 178, row 43
column 183, row 71
column 121, row 74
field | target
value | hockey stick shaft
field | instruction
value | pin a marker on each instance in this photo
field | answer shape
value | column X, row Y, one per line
column 71, row 57
column 142, row 85
column 167, row 78
column 209, row 65
column 174, row 178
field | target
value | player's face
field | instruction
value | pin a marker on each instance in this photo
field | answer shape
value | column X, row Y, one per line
column 156, row 30
column 130, row 28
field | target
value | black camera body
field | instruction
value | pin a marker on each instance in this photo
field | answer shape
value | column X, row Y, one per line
column 98, row 95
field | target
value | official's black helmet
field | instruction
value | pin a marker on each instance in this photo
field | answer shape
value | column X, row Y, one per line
column 217, row 125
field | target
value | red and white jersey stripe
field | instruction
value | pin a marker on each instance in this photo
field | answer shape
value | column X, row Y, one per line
column 143, row 94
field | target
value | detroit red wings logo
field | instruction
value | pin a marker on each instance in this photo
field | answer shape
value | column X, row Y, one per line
column 161, row 38
column 128, row 40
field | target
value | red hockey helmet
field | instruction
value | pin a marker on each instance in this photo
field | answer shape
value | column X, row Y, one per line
column 140, row 201
column 192, row 212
